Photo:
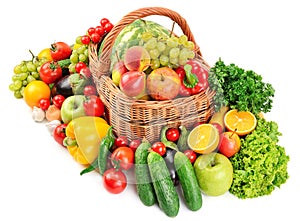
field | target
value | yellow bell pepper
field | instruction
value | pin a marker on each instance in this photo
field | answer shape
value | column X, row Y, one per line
column 83, row 137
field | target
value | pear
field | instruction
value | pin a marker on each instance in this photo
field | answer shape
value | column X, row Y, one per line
column 218, row 117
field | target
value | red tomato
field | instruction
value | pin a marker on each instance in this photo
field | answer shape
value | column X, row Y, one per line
column 85, row 71
column 89, row 90
column 60, row 51
column 134, row 144
column 44, row 103
column 91, row 31
column 121, row 141
column 85, row 39
column 123, row 157
column 50, row 72
column 100, row 30
column 114, row 181
column 79, row 66
column 93, row 106
column 58, row 100
column 59, row 133
column 95, row 37
column 172, row 134
column 191, row 155
column 108, row 26
column 159, row 147
column 104, row 21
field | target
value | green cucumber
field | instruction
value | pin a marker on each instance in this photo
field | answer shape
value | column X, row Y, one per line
column 188, row 181
column 64, row 63
column 143, row 180
column 167, row 197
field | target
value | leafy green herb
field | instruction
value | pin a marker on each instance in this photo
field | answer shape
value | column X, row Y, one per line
column 240, row 89
column 261, row 164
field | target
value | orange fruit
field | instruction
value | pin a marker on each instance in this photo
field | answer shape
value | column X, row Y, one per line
column 35, row 91
column 204, row 138
column 242, row 122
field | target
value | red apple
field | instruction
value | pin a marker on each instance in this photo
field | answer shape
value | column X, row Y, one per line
column 163, row 84
column 133, row 84
column 230, row 144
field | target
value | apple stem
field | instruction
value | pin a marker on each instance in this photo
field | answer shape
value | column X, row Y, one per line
column 233, row 132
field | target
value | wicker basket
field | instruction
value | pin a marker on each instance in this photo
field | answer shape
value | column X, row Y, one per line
column 140, row 118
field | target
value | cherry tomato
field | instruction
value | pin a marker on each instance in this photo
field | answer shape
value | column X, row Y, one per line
column 95, row 37
column 159, row 147
column 114, row 181
column 58, row 100
column 134, row 144
column 191, row 155
column 172, row 134
column 60, row 51
column 85, row 39
column 59, row 133
column 79, row 66
column 89, row 90
column 93, row 106
column 104, row 21
column 44, row 103
column 50, row 72
column 108, row 27
column 121, row 141
column 91, row 31
column 100, row 30
column 86, row 72
column 123, row 157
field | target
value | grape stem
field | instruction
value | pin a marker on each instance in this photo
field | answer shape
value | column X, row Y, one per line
column 190, row 80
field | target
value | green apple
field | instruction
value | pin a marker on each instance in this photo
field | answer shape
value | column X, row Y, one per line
column 72, row 107
column 214, row 173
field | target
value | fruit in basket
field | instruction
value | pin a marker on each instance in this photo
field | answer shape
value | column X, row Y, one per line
column 241, row 122
column 204, row 138
column 163, row 84
column 230, row 144
column 35, row 91
column 136, row 58
column 133, row 84
column 214, row 172
column 72, row 108
column 131, row 35
column 171, row 51
column 117, row 71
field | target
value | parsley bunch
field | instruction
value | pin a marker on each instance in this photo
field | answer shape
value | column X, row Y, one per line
column 240, row 89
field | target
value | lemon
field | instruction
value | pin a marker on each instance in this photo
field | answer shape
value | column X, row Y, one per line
column 204, row 138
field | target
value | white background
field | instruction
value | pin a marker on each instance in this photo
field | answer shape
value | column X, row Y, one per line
column 39, row 179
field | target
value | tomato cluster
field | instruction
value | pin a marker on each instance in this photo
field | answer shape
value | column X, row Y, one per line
column 95, row 34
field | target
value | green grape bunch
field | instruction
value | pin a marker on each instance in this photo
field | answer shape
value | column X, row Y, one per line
column 172, row 51
column 24, row 73
column 80, row 52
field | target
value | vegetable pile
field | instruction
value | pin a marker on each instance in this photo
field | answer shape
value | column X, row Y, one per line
column 153, row 64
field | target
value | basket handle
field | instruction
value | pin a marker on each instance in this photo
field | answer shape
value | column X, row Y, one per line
column 104, row 58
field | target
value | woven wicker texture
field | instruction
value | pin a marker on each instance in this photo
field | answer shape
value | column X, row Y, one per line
column 140, row 118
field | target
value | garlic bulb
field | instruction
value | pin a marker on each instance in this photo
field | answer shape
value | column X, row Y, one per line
column 38, row 114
